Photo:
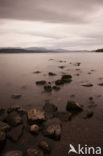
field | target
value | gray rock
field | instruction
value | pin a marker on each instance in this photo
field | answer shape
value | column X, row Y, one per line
column 14, row 119
column 34, row 129
column 34, row 152
column 44, row 146
column 15, row 133
column 14, row 153
column 36, row 116
column 73, row 106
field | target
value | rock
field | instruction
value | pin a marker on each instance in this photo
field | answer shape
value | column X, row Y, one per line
column 14, row 119
column 36, row 116
column 13, row 108
column 87, row 85
column 63, row 116
column 88, row 114
column 37, row 72
column 90, row 98
column 66, row 77
column 2, row 138
column 14, row 153
column 52, row 129
column 48, row 88
column 59, row 82
column 16, row 96
column 51, row 74
column 50, row 108
column 15, row 133
column 100, row 84
column 34, row 129
column 4, row 126
column 61, row 67
column 3, row 114
column 44, row 146
column 73, row 106
column 56, row 88
column 42, row 82
column 78, row 64
column 34, row 152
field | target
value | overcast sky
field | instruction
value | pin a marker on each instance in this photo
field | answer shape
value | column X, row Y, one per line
column 68, row 24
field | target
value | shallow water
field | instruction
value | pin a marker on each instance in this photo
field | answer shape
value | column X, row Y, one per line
column 17, row 77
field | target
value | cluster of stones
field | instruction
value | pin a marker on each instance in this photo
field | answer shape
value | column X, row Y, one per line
column 56, row 86
column 48, row 121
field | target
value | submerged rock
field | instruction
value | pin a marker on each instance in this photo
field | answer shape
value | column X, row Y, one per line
column 14, row 153
column 61, row 67
column 37, row 72
column 48, row 88
column 52, row 129
column 56, row 88
column 42, row 82
column 34, row 129
column 66, row 77
column 34, row 152
column 51, row 74
column 44, row 146
column 59, row 82
column 63, row 116
column 73, row 106
column 100, row 84
column 36, row 116
column 16, row 96
column 87, row 85
column 50, row 108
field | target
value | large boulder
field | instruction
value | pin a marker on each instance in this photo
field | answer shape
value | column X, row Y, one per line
column 73, row 106
column 13, row 153
column 36, row 116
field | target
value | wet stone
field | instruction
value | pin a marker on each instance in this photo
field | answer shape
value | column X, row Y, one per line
column 52, row 129
column 4, row 126
column 51, row 74
column 34, row 152
column 100, row 84
column 56, row 88
column 36, row 116
column 59, row 82
column 14, row 119
column 87, row 85
column 37, row 72
column 14, row 153
column 48, row 88
column 44, row 146
column 34, row 129
column 15, row 133
column 50, row 108
column 42, row 82
column 73, row 106
column 16, row 96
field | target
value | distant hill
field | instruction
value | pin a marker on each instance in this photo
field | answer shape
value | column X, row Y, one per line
column 36, row 50
column 99, row 50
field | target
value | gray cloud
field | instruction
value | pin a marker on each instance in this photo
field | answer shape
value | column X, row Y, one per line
column 73, row 11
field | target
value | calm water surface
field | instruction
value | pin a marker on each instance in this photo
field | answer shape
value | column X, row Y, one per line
column 17, row 77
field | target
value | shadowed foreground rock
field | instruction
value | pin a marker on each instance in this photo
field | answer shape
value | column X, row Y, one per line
column 73, row 106
column 44, row 146
column 34, row 152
